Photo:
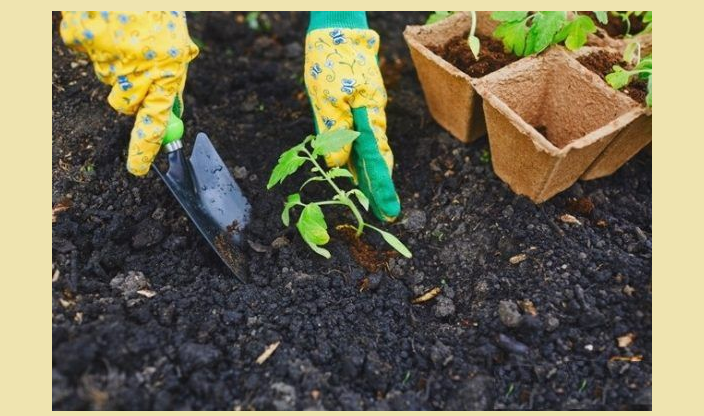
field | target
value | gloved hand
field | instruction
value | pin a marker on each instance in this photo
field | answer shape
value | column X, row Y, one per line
column 144, row 56
column 346, row 91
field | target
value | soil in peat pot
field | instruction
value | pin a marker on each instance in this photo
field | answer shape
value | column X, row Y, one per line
column 491, row 55
column 602, row 62
column 146, row 316
column 616, row 27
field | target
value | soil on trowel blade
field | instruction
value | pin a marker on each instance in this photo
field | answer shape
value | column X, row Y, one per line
column 602, row 62
column 491, row 55
column 146, row 316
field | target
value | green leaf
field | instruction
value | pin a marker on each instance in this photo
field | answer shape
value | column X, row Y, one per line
column 311, row 224
column 575, row 32
column 293, row 200
column 513, row 35
column 339, row 173
column 645, row 63
column 396, row 243
column 473, row 43
column 648, row 17
column 543, row 29
column 629, row 53
column 602, row 17
column 649, row 97
column 363, row 200
column 437, row 16
column 332, row 141
column 289, row 162
column 509, row 16
column 619, row 78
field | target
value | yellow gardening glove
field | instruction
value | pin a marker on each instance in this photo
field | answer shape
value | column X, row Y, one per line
column 347, row 92
column 144, row 57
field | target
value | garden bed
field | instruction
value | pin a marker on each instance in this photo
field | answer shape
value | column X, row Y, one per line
column 145, row 316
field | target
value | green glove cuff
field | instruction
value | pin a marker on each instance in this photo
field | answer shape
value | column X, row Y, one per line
column 342, row 20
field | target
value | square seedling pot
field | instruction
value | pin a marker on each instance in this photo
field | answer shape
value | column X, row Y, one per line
column 631, row 140
column 448, row 91
column 548, row 121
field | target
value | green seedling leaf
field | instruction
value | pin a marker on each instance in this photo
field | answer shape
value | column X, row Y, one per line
column 339, row 173
column 311, row 224
column 542, row 31
column 629, row 53
column 332, row 141
column 648, row 17
column 473, row 43
column 574, row 33
column 289, row 162
column 602, row 17
column 649, row 97
column 395, row 243
column 363, row 200
column 645, row 63
column 293, row 200
column 619, row 78
column 509, row 16
column 513, row 36
column 437, row 16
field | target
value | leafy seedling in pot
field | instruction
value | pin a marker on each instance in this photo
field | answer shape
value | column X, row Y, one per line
column 646, row 17
column 311, row 223
column 642, row 69
column 526, row 33
column 472, row 39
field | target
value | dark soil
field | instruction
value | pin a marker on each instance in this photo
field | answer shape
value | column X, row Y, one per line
column 616, row 27
column 491, row 55
column 145, row 315
column 602, row 62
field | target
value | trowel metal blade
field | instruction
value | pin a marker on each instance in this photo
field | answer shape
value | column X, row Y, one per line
column 212, row 199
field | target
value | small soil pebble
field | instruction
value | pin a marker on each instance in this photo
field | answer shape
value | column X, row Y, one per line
column 509, row 314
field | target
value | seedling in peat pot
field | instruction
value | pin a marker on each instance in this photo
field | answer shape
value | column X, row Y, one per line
column 545, row 29
column 472, row 39
column 642, row 68
column 311, row 223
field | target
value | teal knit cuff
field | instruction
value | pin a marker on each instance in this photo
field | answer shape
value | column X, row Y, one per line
column 342, row 20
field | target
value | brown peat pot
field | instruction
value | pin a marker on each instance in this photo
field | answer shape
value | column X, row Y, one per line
column 631, row 140
column 448, row 91
column 548, row 121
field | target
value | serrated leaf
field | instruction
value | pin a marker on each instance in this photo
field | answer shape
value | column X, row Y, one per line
column 473, row 43
column 575, row 32
column 363, row 200
column 542, row 31
column 332, row 141
column 337, row 172
column 436, row 17
column 513, row 36
column 311, row 224
column 503, row 16
column 289, row 162
column 293, row 199
column 619, row 78
column 396, row 244
column 602, row 17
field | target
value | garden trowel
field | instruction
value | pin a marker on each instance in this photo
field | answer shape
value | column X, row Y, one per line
column 207, row 192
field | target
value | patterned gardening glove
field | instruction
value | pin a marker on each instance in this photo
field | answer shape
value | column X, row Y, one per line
column 144, row 56
column 346, row 91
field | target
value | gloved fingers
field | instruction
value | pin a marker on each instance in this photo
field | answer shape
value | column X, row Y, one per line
column 329, row 114
column 128, row 91
column 150, row 124
column 372, row 163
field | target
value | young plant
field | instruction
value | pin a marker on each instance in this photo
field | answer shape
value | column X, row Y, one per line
column 311, row 223
column 642, row 69
column 472, row 39
column 647, row 18
column 545, row 29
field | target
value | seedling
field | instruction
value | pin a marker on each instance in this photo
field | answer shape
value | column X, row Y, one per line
column 472, row 40
column 647, row 18
column 545, row 29
column 642, row 69
column 311, row 223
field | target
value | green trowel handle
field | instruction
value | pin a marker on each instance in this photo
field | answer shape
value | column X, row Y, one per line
column 174, row 130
